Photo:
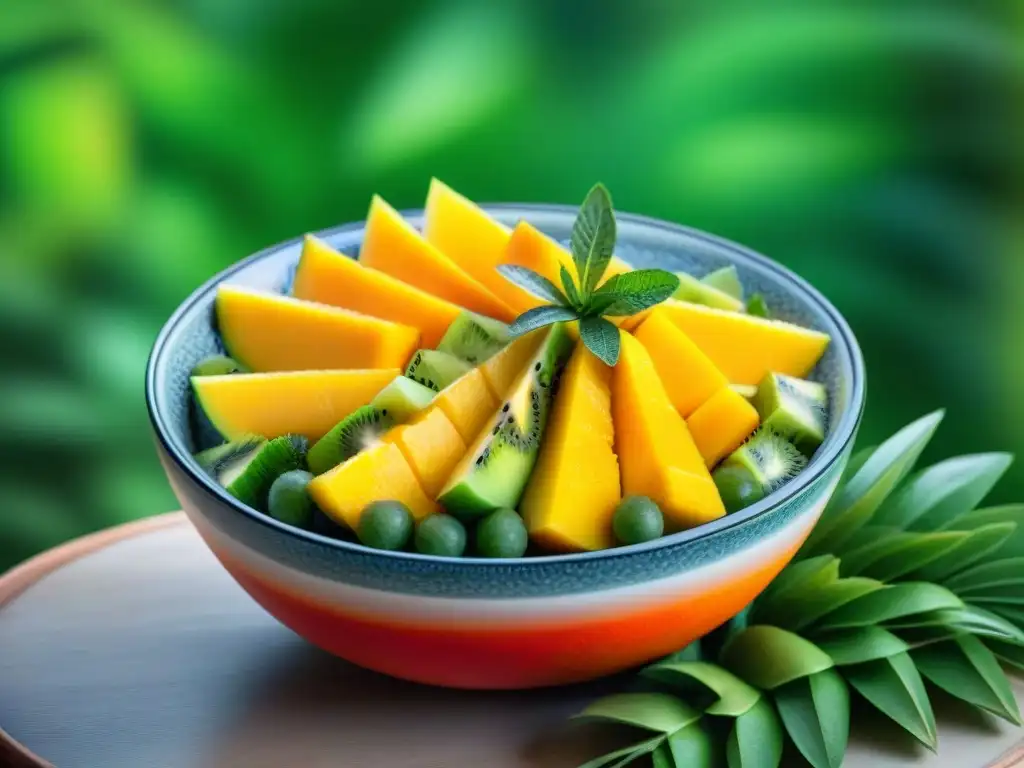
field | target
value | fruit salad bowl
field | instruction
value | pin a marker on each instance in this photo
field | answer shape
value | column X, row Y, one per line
column 504, row 623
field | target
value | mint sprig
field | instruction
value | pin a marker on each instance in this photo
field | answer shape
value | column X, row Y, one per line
column 579, row 298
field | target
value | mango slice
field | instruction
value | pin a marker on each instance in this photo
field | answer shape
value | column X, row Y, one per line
column 574, row 488
column 721, row 425
column 394, row 247
column 431, row 445
column 379, row 472
column 690, row 378
column 307, row 403
column 657, row 455
column 746, row 348
column 269, row 332
column 465, row 234
column 468, row 404
column 328, row 277
column 502, row 370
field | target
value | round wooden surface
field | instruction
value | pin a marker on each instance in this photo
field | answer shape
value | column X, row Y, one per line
column 134, row 648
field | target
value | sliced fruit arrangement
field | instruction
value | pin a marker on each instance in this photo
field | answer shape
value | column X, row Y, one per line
column 482, row 389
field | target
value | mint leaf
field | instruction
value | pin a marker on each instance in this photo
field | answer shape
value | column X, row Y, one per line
column 758, row 307
column 569, row 287
column 538, row 317
column 593, row 238
column 532, row 283
column 633, row 292
column 601, row 338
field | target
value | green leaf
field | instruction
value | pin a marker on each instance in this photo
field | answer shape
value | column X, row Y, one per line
column 733, row 697
column 569, row 287
column 1008, row 653
column 691, row 747
column 727, row 280
column 891, row 602
column 593, row 238
column 816, row 713
column 662, row 757
column 538, row 317
column 971, row 619
column 915, row 551
column 758, row 307
column 856, row 646
column 1010, row 613
column 857, row 561
column 855, row 463
column 1005, row 594
column 998, row 573
column 941, row 493
column 659, row 712
column 601, row 338
column 979, row 543
column 966, row 669
column 631, row 292
column 802, row 608
column 755, row 740
column 533, row 283
column 894, row 686
column 768, row 657
column 811, row 574
column 626, row 755
column 1010, row 513
column 854, row 505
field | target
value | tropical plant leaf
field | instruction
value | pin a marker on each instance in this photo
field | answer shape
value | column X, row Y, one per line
column 980, row 542
column 662, row 757
column 533, row 283
column 732, row 696
column 756, row 738
column 626, row 755
column 978, row 578
column 970, row 619
column 538, row 317
column 1002, row 594
column 816, row 713
column 1009, row 513
column 940, row 494
column 855, row 504
column 601, row 338
column 659, row 712
column 768, row 657
column 691, row 747
column 569, row 287
column 857, row 646
column 632, row 292
column 894, row 686
column 966, row 669
column 808, row 575
column 916, row 551
column 593, row 238
column 865, row 535
column 892, row 602
column 803, row 607
column 1009, row 653
column 1010, row 613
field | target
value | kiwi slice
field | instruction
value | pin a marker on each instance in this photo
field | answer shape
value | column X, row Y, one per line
column 248, row 467
column 403, row 398
column 726, row 280
column 218, row 365
column 496, row 468
column 474, row 338
column 435, row 369
column 795, row 408
column 696, row 292
column 357, row 431
column 761, row 465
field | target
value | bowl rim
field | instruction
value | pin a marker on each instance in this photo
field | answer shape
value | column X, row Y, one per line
column 832, row 449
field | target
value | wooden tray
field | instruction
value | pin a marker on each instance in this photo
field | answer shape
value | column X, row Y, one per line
column 132, row 648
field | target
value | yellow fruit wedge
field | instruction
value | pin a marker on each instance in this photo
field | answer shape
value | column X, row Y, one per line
column 468, row 404
column 328, row 277
column 657, row 455
column 305, row 403
column 431, row 445
column 379, row 472
column 722, row 424
column 466, row 235
column 747, row 348
column 690, row 378
column 269, row 332
column 394, row 247
column 574, row 489
column 502, row 369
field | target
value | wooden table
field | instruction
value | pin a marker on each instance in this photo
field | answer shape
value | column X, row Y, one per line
column 132, row 648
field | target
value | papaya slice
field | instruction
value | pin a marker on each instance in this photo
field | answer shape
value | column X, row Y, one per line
column 468, row 404
column 307, row 403
column 432, row 446
column 391, row 245
column 721, row 425
column 747, row 348
column 574, row 489
column 657, row 455
column 269, row 332
column 329, row 277
column 502, row 370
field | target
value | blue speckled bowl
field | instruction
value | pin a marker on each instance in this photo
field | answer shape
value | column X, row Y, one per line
column 509, row 623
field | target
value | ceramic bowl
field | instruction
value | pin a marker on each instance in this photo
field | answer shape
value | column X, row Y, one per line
column 476, row 623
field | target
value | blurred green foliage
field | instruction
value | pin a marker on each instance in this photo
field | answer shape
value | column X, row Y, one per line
column 875, row 147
